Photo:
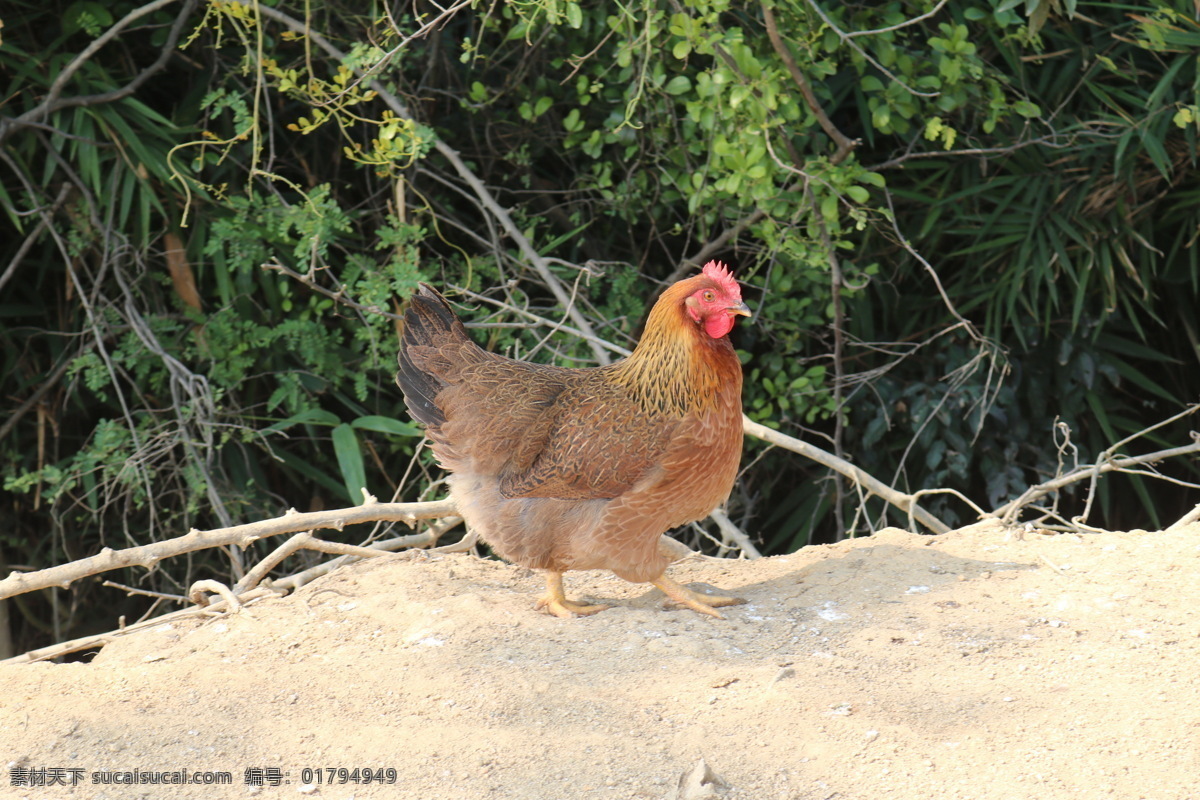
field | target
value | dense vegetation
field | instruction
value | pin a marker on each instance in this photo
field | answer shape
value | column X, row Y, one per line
column 968, row 231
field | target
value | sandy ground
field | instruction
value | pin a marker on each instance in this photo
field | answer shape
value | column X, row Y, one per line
column 971, row 665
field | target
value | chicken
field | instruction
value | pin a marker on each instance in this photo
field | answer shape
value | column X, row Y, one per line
column 570, row 469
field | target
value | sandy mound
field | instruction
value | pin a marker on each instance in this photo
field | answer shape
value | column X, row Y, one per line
column 969, row 665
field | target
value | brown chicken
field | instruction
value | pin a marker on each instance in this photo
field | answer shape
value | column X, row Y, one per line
column 560, row 469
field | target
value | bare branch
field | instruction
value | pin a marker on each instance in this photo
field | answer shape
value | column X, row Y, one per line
column 904, row 502
column 899, row 25
column 732, row 533
column 1108, row 462
column 99, row 640
column 241, row 535
column 592, row 338
column 1051, row 140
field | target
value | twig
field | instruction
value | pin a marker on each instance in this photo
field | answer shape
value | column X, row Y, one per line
column 53, row 100
column 197, row 594
column 417, row 540
column 29, row 241
column 933, row 11
column 1051, row 564
column 845, row 37
column 917, row 495
column 99, row 640
column 714, row 246
column 1049, row 141
column 592, row 338
column 339, row 296
column 306, row 541
column 33, row 399
column 131, row 590
column 937, row 281
column 735, row 534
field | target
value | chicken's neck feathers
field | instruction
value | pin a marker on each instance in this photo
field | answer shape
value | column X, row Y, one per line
column 677, row 368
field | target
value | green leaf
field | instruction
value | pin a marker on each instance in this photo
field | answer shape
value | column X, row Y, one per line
column 574, row 15
column 1027, row 109
column 680, row 84
column 829, row 207
column 350, row 461
column 873, row 178
column 388, row 425
column 310, row 416
column 91, row 17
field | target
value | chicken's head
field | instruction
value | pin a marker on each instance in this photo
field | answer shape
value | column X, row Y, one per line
column 718, row 300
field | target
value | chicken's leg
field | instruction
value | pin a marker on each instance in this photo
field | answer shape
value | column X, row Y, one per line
column 704, row 603
column 556, row 603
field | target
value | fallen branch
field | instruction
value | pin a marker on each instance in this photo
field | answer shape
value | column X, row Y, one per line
column 233, row 600
column 1108, row 462
column 101, row 639
column 732, row 533
column 241, row 535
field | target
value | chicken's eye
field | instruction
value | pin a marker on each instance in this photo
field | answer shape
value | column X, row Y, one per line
column 709, row 296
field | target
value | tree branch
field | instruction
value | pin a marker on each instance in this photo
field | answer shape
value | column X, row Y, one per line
column 933, row 11
column 904, row 502
column 1187, row 519
column 844, row 143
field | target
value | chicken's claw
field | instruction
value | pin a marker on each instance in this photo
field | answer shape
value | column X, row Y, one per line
column 567, row 609
column 555, row 602
column 704, row 603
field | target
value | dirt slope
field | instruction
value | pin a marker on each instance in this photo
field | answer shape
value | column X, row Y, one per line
column 969, row 665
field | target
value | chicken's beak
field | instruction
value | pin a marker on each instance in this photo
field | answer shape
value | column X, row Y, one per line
column 740, row 310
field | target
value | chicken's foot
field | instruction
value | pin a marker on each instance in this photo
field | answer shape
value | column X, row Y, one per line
column 704, row 603
column 555, row 602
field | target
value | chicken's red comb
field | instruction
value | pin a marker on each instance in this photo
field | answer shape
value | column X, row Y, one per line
column 724, row 278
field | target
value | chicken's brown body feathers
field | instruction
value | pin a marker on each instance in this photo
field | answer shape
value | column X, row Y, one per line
column 563, row 469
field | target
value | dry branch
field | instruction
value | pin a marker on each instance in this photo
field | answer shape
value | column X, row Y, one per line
column 242, row 535
column 904, row 502
column 101, row 639
column 1107, row 462
column 1010, row 511
column 732, row 533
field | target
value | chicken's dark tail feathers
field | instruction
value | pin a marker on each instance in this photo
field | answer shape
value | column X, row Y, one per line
column 428, row 322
